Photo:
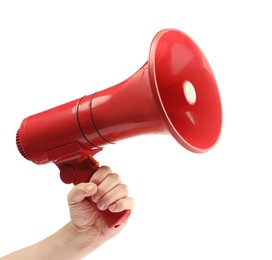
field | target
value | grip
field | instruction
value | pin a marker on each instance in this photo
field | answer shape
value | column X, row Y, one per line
column 112, row 219
column 81, row 171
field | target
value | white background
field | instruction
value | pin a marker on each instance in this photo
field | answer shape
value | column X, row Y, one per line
column 216, row 205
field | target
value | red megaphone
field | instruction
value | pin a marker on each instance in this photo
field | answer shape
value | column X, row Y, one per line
column 174, row 92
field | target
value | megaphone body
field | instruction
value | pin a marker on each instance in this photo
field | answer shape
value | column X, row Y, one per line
column 174, row 92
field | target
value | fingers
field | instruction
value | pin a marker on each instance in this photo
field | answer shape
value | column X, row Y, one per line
column 110, row 182
column 100, row 174
column 83, row 190
column 122, row 204
column 111, row 193
column 80, row 192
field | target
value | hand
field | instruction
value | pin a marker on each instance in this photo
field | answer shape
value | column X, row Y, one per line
column 87, row 230
column 108, row 192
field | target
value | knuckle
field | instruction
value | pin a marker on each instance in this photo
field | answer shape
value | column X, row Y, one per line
column 115, row 177
column 106, row 168
column 124, row 188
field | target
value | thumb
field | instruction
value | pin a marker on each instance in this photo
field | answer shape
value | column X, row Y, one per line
column 80, row 192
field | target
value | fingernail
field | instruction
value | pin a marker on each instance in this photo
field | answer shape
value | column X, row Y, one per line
column 101, row 206
column 112, row 207
column 89, row 187
column 95, row 198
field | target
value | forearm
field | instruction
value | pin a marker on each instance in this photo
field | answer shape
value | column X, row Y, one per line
column 65, row 244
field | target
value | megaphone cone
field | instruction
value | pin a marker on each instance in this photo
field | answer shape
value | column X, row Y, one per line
column 186, row 91
column 174, row 92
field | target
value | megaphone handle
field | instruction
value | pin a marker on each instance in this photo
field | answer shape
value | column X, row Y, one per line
column 112, row 219
column 78, row 172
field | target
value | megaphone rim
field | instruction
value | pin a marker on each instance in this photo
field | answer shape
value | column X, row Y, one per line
column 155, row 89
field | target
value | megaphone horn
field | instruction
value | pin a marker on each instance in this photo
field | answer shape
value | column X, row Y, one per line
column 174, row 92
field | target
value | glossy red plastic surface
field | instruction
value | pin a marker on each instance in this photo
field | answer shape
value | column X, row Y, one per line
column 174, row 60
column 154, row 100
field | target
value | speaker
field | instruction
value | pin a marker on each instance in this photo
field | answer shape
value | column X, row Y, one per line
column 174, row 92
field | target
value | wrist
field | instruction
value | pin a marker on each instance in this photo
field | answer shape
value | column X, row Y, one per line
column 82, row 242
